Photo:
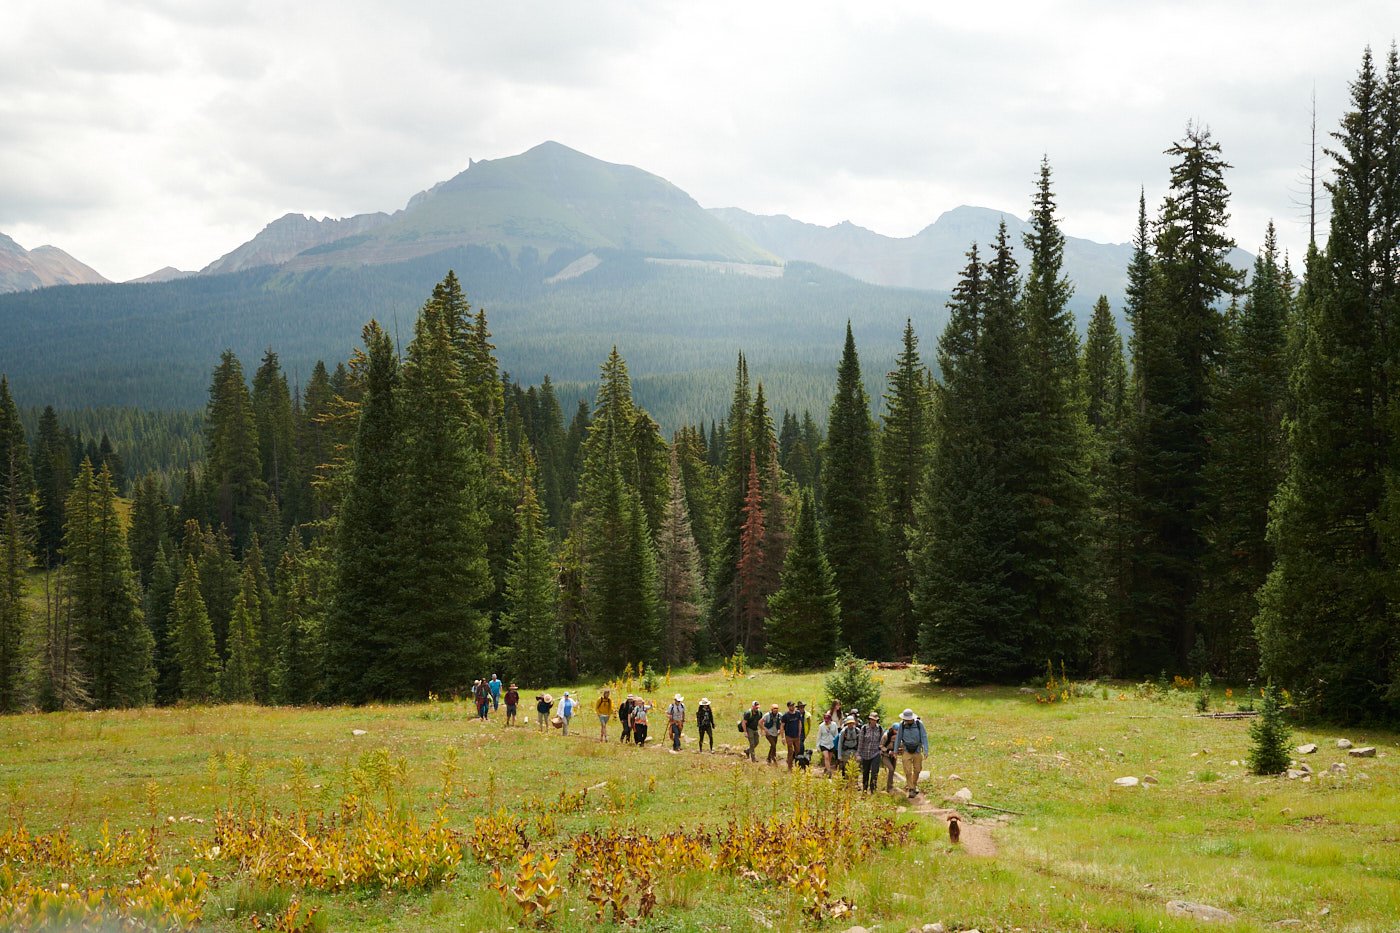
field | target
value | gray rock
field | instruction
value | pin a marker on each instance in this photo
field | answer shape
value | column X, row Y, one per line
column 1293, row 774
column 1368, row 752
column 1344, row 743
column 1203, row 912
column 1338, row 767
column 964, row 794
column 1126, row 781
column 856, row 930
column 1149, row 780
column 358, row 732
column 1308, row 749
column 932, row 928
column 1305, row 768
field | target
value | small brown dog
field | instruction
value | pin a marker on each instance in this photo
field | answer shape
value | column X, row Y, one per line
column 954, row 830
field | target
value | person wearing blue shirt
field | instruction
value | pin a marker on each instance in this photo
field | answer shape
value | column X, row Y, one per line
column 495, row 686
column 911, row 745
column 566, row 710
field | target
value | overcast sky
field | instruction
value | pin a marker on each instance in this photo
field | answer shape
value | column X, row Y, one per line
column 147, row 133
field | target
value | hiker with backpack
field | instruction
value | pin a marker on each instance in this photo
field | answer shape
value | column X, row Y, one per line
column 624, row 715
column 868, row 751
column 604, row 709
column 675, row 721
column 911, row 745
column 512, row 703
column 828, row 734
column 705, row 721
column 887, row 751
column 639, row 722
column 792, row 733
column 749, row 725
column 772, row 730
column 848, row 742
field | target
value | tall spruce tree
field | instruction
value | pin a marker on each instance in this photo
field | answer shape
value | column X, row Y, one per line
column 1107, row 408
column 730, row 493
column 194, row 640
column 1326, row 625
column 1244, row 467
column 531, row 620
column 438, row 634
column 15, row 561
column 236, row 683
column 235, row 473
column 16, row 466
column 804, row 615
column 276, row 431
column 682, row 580
column 849, row 502
column 1178, row 327
column 298, row 677
column 368, row 548
column 53, row 475
column 1054, row 446
column 157, row 602
column 904, row 447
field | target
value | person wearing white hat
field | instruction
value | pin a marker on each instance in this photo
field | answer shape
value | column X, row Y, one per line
column 705, row 721
column 675, row 721
column 848, row 743
column 566, row 710
column 911, row 745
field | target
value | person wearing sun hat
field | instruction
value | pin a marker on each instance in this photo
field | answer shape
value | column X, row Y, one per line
column 705, row 722
column 847, row 743
column 675, row 721
column 604, row 709
column 772, row 731
column 624, row 715
column 868, row 751
column 544, row 702
column 911, row 745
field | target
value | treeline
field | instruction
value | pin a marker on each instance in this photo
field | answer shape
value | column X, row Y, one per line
column 1218, row 498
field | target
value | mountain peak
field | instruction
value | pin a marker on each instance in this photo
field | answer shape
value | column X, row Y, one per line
column 22, row 270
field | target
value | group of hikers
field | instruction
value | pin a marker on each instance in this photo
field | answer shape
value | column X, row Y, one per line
column 842, row 738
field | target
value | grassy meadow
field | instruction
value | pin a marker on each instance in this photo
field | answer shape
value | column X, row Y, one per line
column 1079, row 853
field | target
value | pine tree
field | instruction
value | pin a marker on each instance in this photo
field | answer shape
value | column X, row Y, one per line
column 1177, row 339
column 750, row 582
column 730, row 493
column 157, row 603
column 118, row 647
column 368, row 549
column 15, row 561
column 1244, row 467
column 1052, row 475
column 53, row 475
column 531, row 620
column 681, row 577
column 904, row 448
column 438, row 633
column 1270, row 739
column 276, row 434
column 298, row 677
column 194, row 640
column 1107, row 408
column 236, row 683
column 235, row 472
column 852, row 533
column 16, row 467
column 151, row 518
column 804, row 616
column 1326, row 625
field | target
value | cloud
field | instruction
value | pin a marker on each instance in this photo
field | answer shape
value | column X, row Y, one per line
column 153, row 132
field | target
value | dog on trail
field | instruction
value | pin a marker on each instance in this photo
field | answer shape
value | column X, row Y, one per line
column 954, row 830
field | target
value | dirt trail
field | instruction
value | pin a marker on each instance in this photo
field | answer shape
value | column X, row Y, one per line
column 976, row 837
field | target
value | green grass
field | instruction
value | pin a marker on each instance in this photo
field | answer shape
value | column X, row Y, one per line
column 1082, row 854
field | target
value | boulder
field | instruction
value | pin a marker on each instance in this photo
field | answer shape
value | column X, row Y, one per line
column 1368, row 752
column 1344, row 743
column 1195, row 911
column 964, row 794
column 1293, row 774
column 358, row 732
column 1338, row 767
column 1126, row 781
column 932, row 928
column 1308, row 749
column 1149, row 780
column 1305, row 768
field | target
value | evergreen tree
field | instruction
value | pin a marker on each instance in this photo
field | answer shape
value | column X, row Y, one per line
column 904, row 451
column 368, row 547
column 158, row 601
column 1326, row 623
column 276, row 433
column 852, row 533
column 750, row 577
column 236, row 684
column 531, row 619
column 1244, row 467
column 118, row 646
column 681, row 577
column 235, row 473
column 1177, row 340
column 298, row 677
column 314, row 444
column 53, row 475
column 1052, row 475
column 1108, row 577
column 804, row 616
column 1270, row 739
column 194, row 640
column 438, row 633
column 151, row 518
column 15, row 561
column 731, row 491
column 16, row 467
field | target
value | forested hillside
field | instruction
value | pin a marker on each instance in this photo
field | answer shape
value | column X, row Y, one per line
column 148, row 345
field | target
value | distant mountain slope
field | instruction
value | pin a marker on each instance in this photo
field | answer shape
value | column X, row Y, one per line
column 166, row 274
column 934, row 257
column 22, row 270
column 546, row 199
column 289, row 235
column 679, row 326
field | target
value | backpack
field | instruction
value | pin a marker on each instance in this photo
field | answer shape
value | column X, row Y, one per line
column 918, row 741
